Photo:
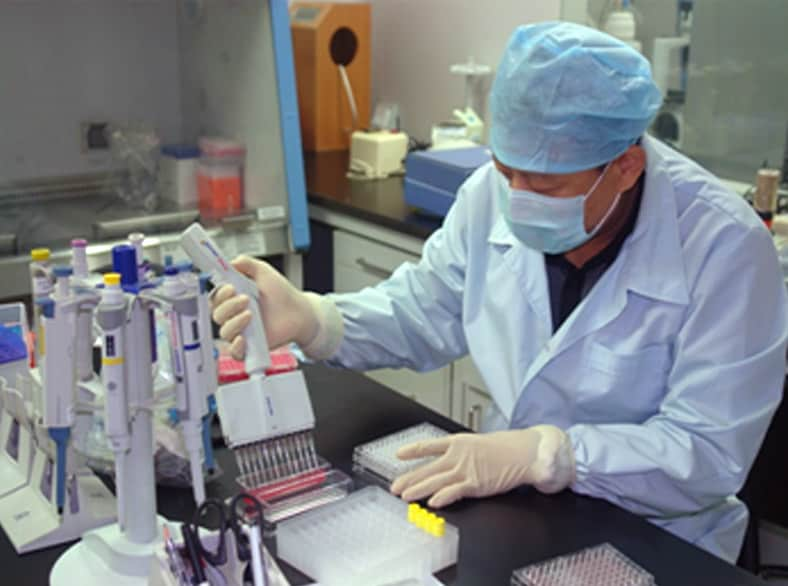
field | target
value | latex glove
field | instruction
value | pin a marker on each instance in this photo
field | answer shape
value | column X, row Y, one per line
column 478, row 465
column 289, row 315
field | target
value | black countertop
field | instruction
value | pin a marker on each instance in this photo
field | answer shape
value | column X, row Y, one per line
column 378, row 201
column 497, row 535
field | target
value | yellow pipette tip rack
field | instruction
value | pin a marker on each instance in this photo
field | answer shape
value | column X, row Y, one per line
column 111, row 279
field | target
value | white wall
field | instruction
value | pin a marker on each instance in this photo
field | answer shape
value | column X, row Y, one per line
column 67, row 61
column 229, row 89
column 416, row 41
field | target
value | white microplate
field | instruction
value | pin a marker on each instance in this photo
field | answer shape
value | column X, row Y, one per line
column 364, row 539
column 602, row 565
column 380, row 456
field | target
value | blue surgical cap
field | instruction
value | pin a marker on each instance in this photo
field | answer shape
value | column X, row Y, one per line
column 568, row 98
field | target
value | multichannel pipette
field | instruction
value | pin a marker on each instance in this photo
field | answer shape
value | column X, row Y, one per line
column 266, row 420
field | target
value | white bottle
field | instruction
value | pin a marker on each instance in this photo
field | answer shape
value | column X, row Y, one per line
column 621, row 24
column 42, row 285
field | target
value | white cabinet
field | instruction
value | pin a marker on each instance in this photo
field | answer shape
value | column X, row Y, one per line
column 470, row 395
column 361, row 262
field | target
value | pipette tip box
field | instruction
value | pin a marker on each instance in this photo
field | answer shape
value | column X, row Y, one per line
column 379, row 457
column 297, row 493
column 601, row 565
column 365, row 538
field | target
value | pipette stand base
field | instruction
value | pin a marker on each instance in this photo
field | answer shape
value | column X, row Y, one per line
column 16, row 463
column 30, row 518
column 106, row 556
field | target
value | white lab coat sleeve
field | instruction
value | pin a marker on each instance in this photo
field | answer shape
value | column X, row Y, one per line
column 414, row 318
column 723, row 388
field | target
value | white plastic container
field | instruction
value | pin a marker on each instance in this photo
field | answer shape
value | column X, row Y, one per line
column 621, row 24
column 380, row 456
column 365, row 538
column 42, row 285
column 178, row 174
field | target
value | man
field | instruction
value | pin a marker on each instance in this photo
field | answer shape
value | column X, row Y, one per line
column 626, row 311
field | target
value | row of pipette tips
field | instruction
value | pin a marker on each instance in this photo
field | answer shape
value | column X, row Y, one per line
column 276, row 459
column 426, row 520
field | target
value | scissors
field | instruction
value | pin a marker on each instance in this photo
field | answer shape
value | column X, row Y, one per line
column 244, row 517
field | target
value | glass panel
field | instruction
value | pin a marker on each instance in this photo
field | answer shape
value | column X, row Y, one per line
column 723, row 68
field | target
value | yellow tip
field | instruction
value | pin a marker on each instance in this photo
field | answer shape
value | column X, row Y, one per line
column 111, row 279
column 440, row 527
column 429, row 525
column 413, row 511
column 421, row 518
column 40, row 254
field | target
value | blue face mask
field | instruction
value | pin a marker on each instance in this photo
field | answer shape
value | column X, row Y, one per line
column 550, row 224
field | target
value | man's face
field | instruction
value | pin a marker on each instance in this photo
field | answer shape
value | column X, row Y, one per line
column 551, row 185
column 620, row 177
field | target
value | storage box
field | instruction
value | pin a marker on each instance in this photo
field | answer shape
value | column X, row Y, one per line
column 432, row 178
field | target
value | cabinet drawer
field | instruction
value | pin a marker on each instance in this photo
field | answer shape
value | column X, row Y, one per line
column 474, row 404
column 430, row 389
column 470, row 398
column 360, row 262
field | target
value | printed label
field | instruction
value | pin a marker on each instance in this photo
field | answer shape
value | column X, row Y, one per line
column 271, row 213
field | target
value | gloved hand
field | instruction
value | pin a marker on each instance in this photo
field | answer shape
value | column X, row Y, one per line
column 480, row 465
column 289, row 315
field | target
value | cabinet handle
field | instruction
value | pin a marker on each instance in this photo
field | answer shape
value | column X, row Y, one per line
column 373, row 269
column 473, row 414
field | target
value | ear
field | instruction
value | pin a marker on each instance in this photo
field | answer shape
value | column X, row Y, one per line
column 629, row 167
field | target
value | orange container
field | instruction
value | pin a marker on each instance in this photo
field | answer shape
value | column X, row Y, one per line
column 220, row 176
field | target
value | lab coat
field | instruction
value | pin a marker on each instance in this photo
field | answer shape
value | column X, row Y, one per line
column 666, row 375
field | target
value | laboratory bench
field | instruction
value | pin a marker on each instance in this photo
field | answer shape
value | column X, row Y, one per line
column 497, row 534
column 377, row 201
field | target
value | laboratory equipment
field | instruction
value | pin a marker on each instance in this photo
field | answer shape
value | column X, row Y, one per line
column 377, row 154
column 178, row 174
column 267, row 420
column 332, row 47
column 433, row 177
column 220, row 176
column 669, row 65
column 121, row 553
column 385, row 117
column 380, row 456
column 233, row 554
column 621, row 24
column 14, row 358
column 466, row 128
column 210, row 367
column 61, row 498
column 41, row 284
column 602, row 565
column 367, row 536
column 90, row 390
column 134, row 148
column 16, row 422
column 767, row 186
column 244, row 519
